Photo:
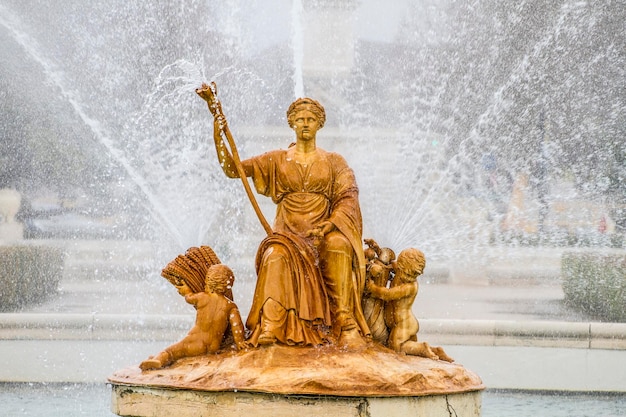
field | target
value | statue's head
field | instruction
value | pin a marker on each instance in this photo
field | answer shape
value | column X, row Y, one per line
column 306, row 104
column 411, row 262
column 219, row 278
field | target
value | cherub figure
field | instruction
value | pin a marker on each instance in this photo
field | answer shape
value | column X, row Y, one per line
column 216, row 312
column 399, row 298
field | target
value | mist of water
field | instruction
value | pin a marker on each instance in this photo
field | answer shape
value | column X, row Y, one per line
column 298, row 53
column 416, row 117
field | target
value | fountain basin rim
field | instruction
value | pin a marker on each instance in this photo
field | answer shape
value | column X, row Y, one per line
column 100, row 326
column 156, row 402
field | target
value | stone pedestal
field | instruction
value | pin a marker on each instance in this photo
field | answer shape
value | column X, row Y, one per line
column 156, row 402
column 291, row 381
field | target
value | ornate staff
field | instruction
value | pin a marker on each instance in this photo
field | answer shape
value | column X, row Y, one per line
column 215, row 107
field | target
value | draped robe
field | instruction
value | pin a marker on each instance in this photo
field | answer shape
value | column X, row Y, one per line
column 305, row 195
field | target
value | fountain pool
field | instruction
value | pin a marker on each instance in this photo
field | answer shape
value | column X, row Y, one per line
column 74, row 400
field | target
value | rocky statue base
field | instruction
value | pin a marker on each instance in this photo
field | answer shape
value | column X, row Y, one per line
column 286, row 381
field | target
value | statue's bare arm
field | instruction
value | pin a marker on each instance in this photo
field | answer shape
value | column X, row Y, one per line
column 236, row 325
column 220, row 126
column 390, row 294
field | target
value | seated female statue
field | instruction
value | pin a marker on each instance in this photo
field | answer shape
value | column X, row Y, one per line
column 311, row 268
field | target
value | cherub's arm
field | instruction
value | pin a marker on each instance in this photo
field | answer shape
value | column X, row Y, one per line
column 236, row 326
column 372, row 244
column 192, row 298
column 390, row 294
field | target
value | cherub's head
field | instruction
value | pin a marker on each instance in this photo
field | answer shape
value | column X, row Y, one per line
column 411, row 263
column 219, row 279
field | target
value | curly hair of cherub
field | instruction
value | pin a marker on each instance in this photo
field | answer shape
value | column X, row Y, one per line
column 411, row 261
column 306, row 104
column 219, row 278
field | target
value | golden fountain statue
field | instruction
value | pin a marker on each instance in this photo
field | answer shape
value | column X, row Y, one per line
column 328, row 318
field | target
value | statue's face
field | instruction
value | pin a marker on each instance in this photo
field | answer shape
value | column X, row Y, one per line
column 306, row 125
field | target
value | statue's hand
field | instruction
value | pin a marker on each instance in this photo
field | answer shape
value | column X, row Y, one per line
column 243, row 345
column 320, row 231
column 371, row 243
column 206, row 93
column 327, row 227
column 376, row 270
column 209, row 94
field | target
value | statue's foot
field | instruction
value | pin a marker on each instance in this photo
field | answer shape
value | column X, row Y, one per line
column 422, row 349
column 346, row 322
column 150, row 364
column 351, row 339
column 427, row 352
column 266, row 338
column 441, row 354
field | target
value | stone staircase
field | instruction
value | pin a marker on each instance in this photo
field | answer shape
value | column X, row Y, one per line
column 111, row 259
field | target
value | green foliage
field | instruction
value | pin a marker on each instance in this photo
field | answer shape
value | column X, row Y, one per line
column 595, row 283
column 28, row 274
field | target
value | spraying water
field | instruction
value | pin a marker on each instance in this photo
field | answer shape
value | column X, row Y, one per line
column 417, row 212
column 416, row 115
column 56, row 76
column 298, row 47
